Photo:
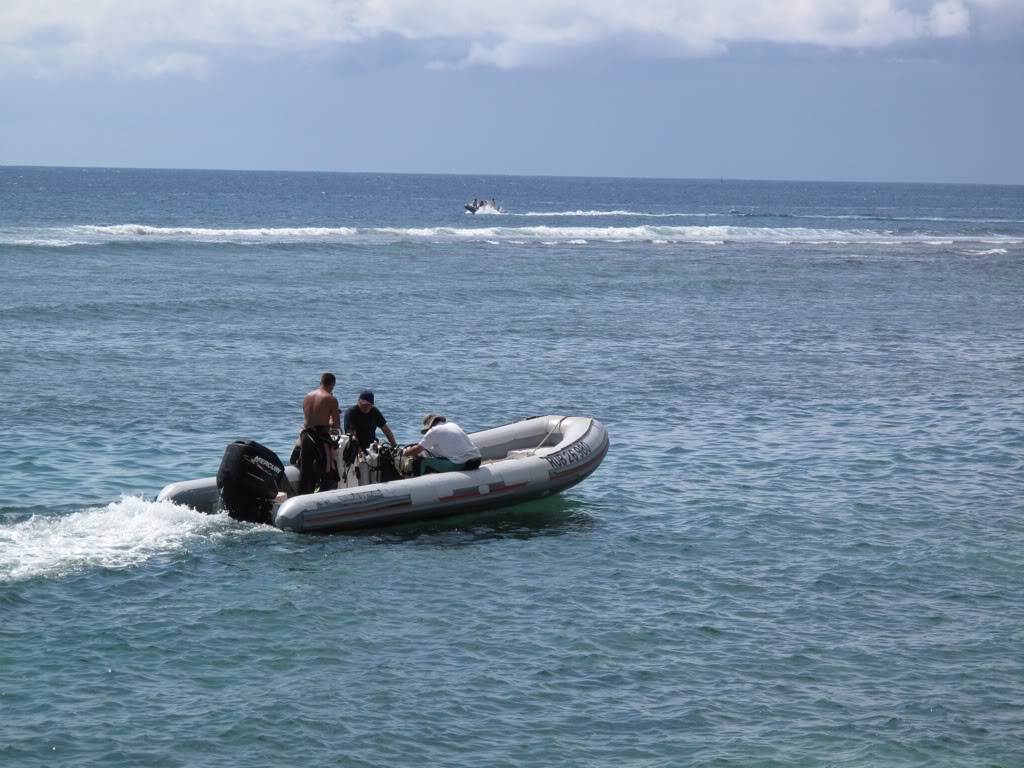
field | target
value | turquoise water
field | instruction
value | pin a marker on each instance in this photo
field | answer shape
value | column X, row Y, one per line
column 804, row 547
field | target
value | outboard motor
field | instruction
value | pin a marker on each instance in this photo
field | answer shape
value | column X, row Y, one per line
column 249, row 479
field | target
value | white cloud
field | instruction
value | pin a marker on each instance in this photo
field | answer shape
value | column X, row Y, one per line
column 173, row 64
column 949, row 18
column 177, row 36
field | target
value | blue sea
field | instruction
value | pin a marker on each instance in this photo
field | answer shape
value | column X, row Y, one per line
column 804, row 548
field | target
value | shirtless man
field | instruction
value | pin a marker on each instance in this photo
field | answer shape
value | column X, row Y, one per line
column 321, row 415
column 320, row 408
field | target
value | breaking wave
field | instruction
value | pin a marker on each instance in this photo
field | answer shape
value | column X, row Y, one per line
column 719, row 234
column 141, row 230
column 987, row 252
column 742, row 214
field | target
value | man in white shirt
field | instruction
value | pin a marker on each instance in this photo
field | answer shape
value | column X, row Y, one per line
column 449, row 449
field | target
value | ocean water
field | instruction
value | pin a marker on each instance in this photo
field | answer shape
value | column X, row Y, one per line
column 805, row 547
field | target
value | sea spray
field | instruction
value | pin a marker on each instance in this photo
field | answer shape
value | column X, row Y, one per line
column 123, row 534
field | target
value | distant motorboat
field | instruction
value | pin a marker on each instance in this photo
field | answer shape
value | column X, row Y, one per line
column 483, row 206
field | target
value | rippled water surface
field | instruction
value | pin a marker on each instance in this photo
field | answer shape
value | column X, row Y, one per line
column 804, row 547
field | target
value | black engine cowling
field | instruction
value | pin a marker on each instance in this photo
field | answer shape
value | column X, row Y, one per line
column 249, row 478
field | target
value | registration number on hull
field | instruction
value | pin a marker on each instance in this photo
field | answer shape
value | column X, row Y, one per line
column 569, row 456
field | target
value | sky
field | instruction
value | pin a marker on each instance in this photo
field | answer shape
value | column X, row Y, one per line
column 843, row 90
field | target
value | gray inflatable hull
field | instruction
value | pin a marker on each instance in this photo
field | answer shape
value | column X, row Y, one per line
column 523, row 461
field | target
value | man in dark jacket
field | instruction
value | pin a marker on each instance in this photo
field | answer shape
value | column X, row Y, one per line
column 362, row 420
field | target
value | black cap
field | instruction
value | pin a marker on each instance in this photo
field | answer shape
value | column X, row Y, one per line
column 366, row 395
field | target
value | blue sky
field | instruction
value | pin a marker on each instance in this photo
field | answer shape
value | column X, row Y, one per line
column 873, row 90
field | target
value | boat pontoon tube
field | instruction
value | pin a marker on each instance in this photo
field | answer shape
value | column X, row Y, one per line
column 522, row 461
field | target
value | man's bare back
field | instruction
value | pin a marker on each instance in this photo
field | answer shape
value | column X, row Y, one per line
column 320, row 409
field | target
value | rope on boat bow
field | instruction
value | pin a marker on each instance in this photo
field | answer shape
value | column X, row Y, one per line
column 549, row 434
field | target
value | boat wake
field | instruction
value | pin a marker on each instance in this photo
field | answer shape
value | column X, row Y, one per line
column 637, row 214
column 123, row 534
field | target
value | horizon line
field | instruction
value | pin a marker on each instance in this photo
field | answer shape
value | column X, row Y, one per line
column 722, row 179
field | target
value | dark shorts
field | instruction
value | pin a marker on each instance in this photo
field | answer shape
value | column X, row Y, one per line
column 430, row 466
column 317, row 470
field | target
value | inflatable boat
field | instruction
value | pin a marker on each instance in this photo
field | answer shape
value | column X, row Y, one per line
column 520, row 462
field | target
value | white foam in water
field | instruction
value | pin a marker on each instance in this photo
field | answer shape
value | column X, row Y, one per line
column 987, row 252
column 49, row 243
column 686, row 234
column 140, row 230
column 121, row 535
column 544, row 234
